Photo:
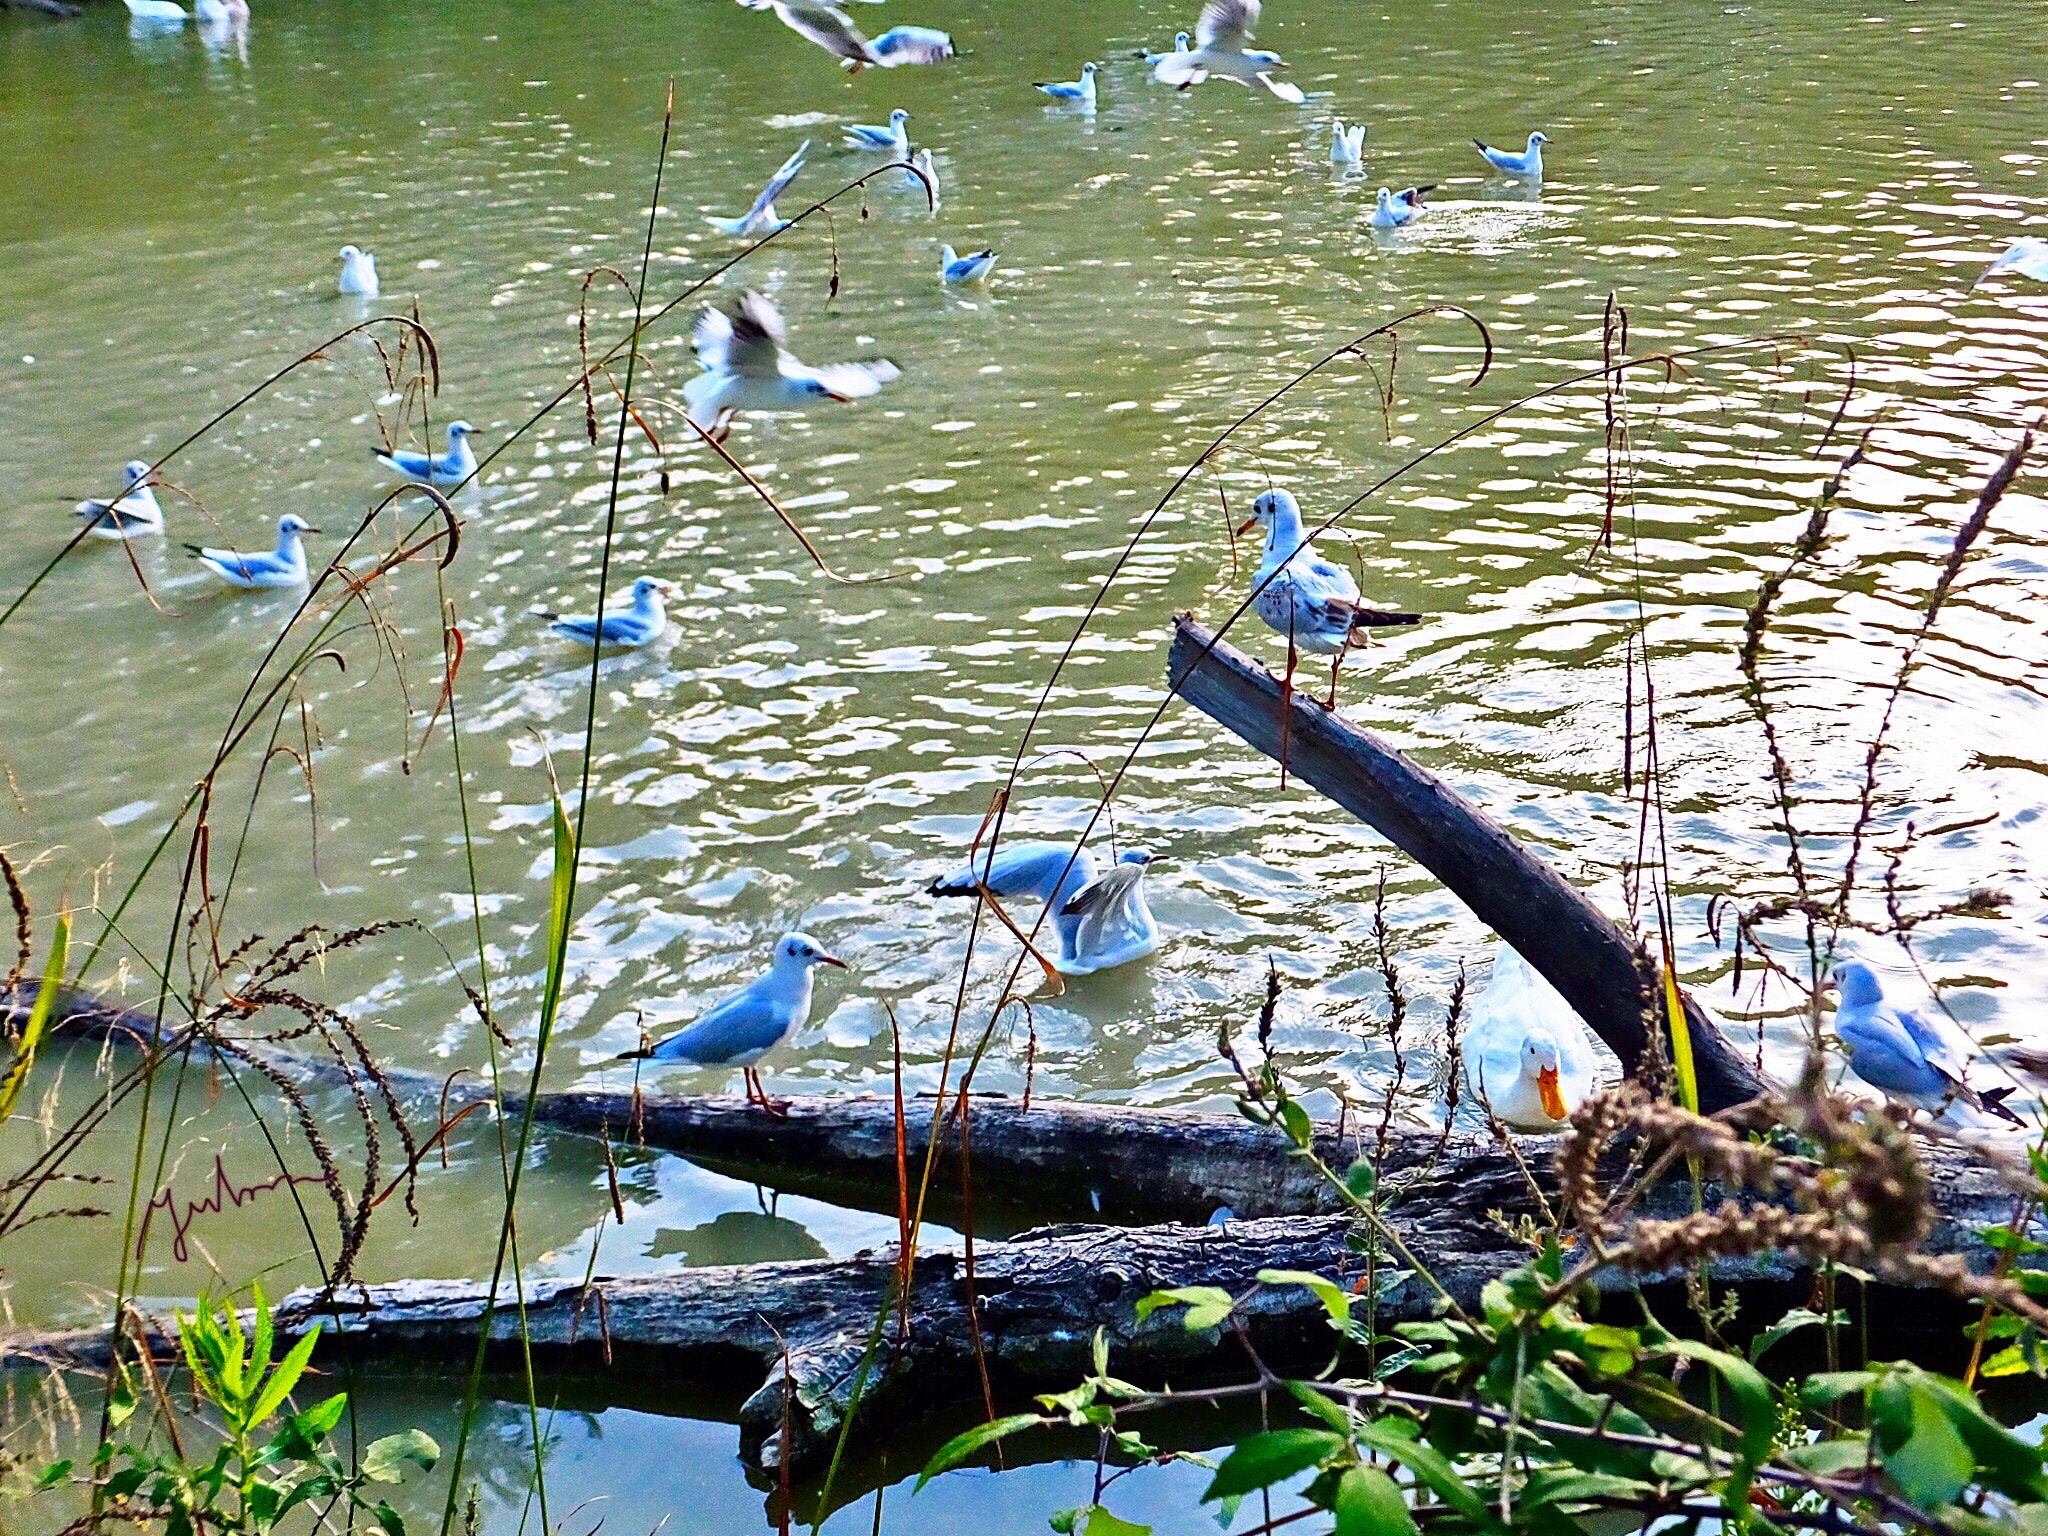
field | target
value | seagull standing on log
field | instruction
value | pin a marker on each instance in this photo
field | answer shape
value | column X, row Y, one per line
column 1918, row 1055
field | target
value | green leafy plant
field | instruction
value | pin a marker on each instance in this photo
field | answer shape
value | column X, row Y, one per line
column 251, row 1482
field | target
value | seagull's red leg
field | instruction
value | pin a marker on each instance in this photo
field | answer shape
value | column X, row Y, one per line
column 1331, row 703
column 754, row 1094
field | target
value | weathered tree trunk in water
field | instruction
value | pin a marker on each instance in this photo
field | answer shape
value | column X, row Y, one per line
column 47, row 7
column 1038, row 1301
column 1600, row 971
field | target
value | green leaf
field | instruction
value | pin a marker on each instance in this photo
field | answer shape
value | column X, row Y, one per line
column 1134, row 1445
column 1064, row 1520
column 1097, row 1521
column 1757, row 1415
column 1831, row 1458
column 2005, row 1463
column 1826, row 1386
column 1265, row 1459
column 1368, row 1504
column 2009, row 1361
column 561, row 897
column 1207, row 1305
column 38, row 1017
column 121, row 1406
column 1930, row 1463
column 962, row 1446
column 1300, row 1129
column 259, row 1349
column 303, row 1431
column 1791, row 1323
column 54, row 1474
column 1324, row 1407
column 1335, row 1299
column 284, row 1378
column 1361, row 1179
column 1396, row 1438
column 390, row 1519
column 384, row 1461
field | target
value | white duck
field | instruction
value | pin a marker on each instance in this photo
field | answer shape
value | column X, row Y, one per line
column 1527, row 1051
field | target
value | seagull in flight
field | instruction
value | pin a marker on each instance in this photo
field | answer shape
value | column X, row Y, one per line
column 2027, row 256
column 1312, row 601
column 1221, row 32
column 974, row 267
column 823, row 22
column 643, row 620
column 283, row 567
column 741, row 1028
column 761, row 218
column 748, row 367
column 1527, row 163
column 134, row 511
column 1393, row 209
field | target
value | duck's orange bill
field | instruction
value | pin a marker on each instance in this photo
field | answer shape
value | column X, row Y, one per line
column 1553, row 1097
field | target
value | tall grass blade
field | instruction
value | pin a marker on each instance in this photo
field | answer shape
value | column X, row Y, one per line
column 38, row 1018
column 1681, row 1043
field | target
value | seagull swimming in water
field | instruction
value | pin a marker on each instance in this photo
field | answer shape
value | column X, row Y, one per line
column 1391, row 210
column 895, row 138
column 450, row 468
column 741, row 1028
column 826, row 24
column 1312, row 601
column 1917, row 1055
column 748, row 367
column 1526, row 1049
column 641, row 622
column 761, row 219
column 1180, row 45
column 2028, row 256
column 1221, row 32
column 929, row 185
column 358, row 273
column 974, row 267
column 1102, row 922
column 1081, row 90
column 284, row 566
column 156, row 10
column 1526, row 163
column 134, row 512
column 1347, row 145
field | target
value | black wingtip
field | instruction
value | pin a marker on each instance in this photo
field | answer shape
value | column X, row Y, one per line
column 1378, row 618
column 195, row 551
column 1480, row 145
column 634, row 1056
column 1994, row 1099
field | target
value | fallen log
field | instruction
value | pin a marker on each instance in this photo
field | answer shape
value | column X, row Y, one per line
column 1037, row 1302
column 1598, row 968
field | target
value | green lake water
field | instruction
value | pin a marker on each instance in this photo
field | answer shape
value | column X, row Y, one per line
column 805, row 753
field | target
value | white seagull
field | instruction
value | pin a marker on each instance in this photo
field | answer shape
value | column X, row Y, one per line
column 1527, row 163
column 1081, row 90
column 283, row 567
column 929, row 185
column 1101, row 922
column 1391, row 210
column 135, row 511
column 450, row 468
column 156, row 10
column 358, row 272
column 895, row 138
column 741, row 1028
column 1221, row 32
column 2027, row 256
column 1527, row 1051
column 1312, row 601
column 761, row 219
column 974, row 267
column 827, row 25
column 1180, row 45
column 641, row 622
column 1347, row 145
column 221, row 10
column 748, row 367
column 1919, row 1055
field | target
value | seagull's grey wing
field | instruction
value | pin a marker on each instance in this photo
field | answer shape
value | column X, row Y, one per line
column 1017, row 869
column 755, row 347
column 855, row 381
column 1945, row 1047
column 779, row 181
column 911, row 45
column 739, row 1024
column 712, row 339
column 827, row 26
column 1285, row 90
column 1114, row 923
column 1226, row 24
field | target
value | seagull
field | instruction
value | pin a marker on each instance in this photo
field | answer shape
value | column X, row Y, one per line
column 1081, row 90
column 742, row 1027
column 135, row 511
column 1528, row 163
column 2027, row 256
column 221, row 10
column 1347, row 145
column 974, row 267
column 1101, row 922
column 1527, row 1052
column 930, row 184
column 1221, row 32
column 643, row 621
column 895, row 138
column 761, row 219
column 1299, row 594
column 451, row 468
column 358, row 272
column 283, row 567
column 824, row 23
column 747, row 367
column 1393, row 209
column 1180, row 45
column 156, row 10
column 1918, row 1056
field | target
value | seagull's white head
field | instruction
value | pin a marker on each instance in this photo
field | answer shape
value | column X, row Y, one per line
column 1137, row 856
column 898, row 118
column 349, row 253
column 1088, row 71
column 1272, row 507
column 291, row 525
column 1180, row 42
column 135, row 472
column 1538, row 137
column 1859, row 984
column 457, row 430
column 649, row 587
column 799, row 951
column 1539, row 1066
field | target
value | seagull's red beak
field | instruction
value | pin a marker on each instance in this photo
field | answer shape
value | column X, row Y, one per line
column 1247, row 526
column 1552, row 1096
column 835, row 960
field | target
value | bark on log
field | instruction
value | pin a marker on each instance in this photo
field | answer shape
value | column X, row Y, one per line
column 48, row 7
column 1600, row 971
column 1038, row 1301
